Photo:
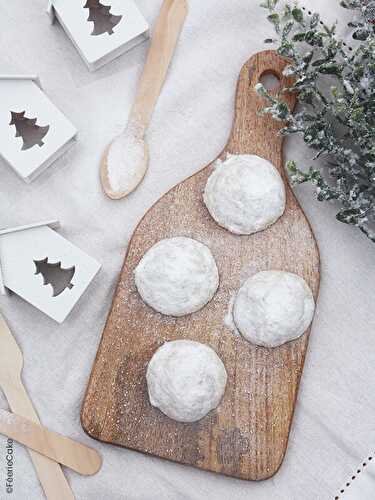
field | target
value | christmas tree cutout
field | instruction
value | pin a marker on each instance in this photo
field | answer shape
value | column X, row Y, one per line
column 27, row 128
column 55, row 275
column 100, row 15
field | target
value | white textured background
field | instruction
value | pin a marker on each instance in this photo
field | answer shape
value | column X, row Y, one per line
column 334, row 425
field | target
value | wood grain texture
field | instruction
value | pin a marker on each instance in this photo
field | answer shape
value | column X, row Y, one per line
column 246, row 437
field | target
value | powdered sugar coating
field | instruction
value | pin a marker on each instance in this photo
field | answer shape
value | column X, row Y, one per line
column 177, row 276
column 273, row 307
column 245, row 194
column 186, row 380
column 127, row 160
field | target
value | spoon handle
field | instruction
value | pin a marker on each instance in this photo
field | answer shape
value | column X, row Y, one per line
column 60, row 449
column 167, row 30
column 50, row 474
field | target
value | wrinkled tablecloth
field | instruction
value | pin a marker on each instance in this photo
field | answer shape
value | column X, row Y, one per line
column 334, row 424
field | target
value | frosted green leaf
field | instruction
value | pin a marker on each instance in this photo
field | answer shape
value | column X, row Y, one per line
column 297, row 14
column 335, row 88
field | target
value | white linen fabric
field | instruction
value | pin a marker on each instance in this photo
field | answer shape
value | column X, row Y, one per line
column 333, row 427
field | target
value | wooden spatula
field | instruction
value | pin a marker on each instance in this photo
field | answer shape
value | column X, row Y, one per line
column 51, row 477
column 167, row 30
column 65, row 451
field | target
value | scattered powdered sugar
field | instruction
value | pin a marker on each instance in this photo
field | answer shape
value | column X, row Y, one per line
column 247, row 271
column 228, row 318
column 8, row 419
column 127, row 159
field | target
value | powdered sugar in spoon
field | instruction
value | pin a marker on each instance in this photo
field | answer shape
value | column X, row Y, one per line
column 125, row 161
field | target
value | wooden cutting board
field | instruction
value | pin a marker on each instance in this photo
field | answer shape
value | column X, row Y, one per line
column 246, row 437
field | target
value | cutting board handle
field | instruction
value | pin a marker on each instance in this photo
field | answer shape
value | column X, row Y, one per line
column 253, row 131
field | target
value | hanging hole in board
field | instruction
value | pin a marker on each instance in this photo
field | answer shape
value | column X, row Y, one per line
column 55, row 275
column 270, row 80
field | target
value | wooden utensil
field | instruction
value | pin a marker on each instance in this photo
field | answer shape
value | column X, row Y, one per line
column 246, row 437
column 61, row 449
column 51, row 477
column 167, row 30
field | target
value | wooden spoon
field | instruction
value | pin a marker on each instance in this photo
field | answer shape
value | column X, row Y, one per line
column 51, row 477
column 126, row 159
column 65, row 451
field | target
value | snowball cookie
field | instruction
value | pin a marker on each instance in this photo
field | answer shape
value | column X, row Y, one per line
column 273, row 307
column 177, row 276
column 245, row 194
column 186, row 380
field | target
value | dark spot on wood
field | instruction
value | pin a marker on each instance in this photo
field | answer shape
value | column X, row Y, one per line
column 252, row 70
column 231, row 446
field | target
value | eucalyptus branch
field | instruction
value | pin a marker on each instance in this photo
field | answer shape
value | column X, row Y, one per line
column 336, row 94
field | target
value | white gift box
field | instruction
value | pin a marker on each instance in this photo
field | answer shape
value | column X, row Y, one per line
column 101, row 30
column 44, row 268
column 33, row 132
